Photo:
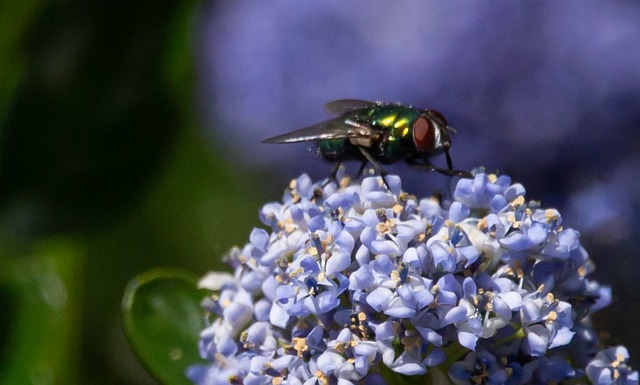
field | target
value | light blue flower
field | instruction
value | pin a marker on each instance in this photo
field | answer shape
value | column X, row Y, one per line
column 546, row 370
column 547, row 323
column 351, row 283
column 478, row 368
column 610, row 366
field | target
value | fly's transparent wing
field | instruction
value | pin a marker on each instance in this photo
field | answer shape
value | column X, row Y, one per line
column 330, row 129
column 342, row 106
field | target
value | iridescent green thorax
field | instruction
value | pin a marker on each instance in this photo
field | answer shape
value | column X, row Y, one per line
column 396, row 121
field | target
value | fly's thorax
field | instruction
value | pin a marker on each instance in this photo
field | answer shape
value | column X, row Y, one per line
column 396, row 123
column 395, row 120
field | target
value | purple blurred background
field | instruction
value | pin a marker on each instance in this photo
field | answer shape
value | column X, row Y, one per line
column 547, row 92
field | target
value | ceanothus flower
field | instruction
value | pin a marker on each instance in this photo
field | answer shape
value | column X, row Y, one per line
column 609, row 367
column 355, row 283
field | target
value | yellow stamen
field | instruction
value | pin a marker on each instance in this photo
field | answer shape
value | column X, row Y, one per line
column 300, row 345
column 551, row 215
column 382, row 227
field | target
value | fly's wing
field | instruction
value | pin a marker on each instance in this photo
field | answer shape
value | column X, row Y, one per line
column 342, row 106
column 330, row 129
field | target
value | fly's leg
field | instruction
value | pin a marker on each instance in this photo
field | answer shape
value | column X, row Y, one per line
column 449, row 162
column 444, row 171
column 379, row 170
column 363, row 164
column 333, row 176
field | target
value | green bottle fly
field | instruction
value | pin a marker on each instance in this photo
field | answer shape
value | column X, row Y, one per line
column 378, row 132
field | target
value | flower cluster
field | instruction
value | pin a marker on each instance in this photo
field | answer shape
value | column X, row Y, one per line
column 364, row 283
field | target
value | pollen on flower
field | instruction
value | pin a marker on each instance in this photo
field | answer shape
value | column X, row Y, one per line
column 289, row 227
column 243, row 259
column 582, row 271
column 300, row 346
column 551, row 215
column 322, row 379
column 382, row 228
column 519, row 201
column 296, row 272
column 340, row 347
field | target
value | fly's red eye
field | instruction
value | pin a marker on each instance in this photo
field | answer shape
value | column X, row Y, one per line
column 424, row 134
column 438, row 116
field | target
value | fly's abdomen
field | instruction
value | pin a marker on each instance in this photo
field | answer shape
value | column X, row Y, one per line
column 334, row 149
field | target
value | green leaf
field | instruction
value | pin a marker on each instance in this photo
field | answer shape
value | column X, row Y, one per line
column 163, row 319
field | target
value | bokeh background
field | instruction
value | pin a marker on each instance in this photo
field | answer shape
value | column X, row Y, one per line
column 130, row 138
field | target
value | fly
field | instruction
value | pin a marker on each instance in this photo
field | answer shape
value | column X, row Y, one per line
column 379, row 132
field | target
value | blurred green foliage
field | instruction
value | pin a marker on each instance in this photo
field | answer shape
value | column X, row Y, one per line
column 42, row 303
column 104, row 173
